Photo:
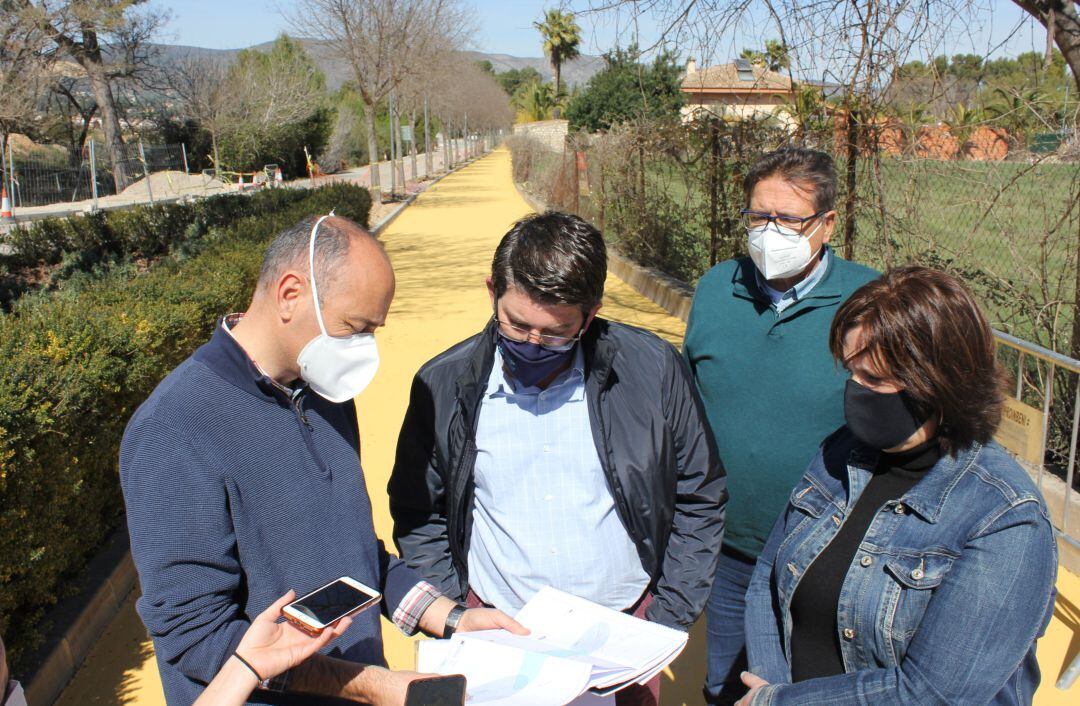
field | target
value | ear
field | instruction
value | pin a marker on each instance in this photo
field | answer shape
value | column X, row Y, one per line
column 291, row 291
column 828, row 224
column 491, row 291
column 591, row 316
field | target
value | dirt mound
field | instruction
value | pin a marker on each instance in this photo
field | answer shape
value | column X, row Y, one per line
column 174, row 183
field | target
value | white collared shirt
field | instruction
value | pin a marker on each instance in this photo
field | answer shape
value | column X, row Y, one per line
column 543, row 513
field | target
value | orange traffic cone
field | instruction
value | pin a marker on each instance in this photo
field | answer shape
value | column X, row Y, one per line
column 5, row 207
column 240, row 181
column 278, row 178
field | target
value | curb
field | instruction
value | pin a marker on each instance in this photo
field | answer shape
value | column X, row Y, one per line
column 389, row 218
column 671, row 294
column 112, row 577
column 64, row 653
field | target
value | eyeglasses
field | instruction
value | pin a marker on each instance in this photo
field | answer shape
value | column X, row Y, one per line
column 756, row 219
column 520, row 335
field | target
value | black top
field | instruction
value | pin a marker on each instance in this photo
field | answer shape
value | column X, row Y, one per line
column 815, row 634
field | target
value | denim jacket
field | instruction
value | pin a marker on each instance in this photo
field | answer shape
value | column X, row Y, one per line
column 944, row 599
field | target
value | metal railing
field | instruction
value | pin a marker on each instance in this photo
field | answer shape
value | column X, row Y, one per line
column 1052, row 362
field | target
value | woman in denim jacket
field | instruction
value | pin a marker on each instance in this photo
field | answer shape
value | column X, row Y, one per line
column 915, row 561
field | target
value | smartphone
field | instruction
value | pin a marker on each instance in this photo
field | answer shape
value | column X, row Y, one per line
column 436, row 691
column 328, row 604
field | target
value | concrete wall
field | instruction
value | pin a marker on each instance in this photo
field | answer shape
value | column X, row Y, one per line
column 550, row 133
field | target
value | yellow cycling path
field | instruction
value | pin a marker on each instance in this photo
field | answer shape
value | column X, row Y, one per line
column 441, row 247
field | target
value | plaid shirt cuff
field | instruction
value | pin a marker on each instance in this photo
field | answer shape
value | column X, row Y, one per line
column 413, row 605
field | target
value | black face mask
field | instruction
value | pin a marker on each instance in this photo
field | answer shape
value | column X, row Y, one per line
column 881, row 420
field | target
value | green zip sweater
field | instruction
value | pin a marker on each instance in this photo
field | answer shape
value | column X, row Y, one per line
column 771, row 389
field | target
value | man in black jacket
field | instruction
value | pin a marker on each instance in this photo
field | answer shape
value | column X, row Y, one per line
column 558, row 449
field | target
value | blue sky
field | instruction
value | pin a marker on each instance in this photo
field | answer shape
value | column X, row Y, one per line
column 506, row 27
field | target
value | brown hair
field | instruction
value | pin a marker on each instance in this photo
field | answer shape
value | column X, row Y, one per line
column 810, row 170
column 924, row 329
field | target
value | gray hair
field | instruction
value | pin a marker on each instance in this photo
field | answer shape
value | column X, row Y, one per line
column 289, row 249
column 811, row 170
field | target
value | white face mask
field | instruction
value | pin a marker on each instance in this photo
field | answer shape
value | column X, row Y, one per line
column 336, row 368
column 779, row 252
column 16, row 697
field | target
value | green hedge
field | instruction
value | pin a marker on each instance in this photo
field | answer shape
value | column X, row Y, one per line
column 78, row 361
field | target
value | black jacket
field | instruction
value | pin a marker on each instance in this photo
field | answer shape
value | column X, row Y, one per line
column 653, row 440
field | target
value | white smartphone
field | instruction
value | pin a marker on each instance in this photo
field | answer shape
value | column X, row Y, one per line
column 328, row 604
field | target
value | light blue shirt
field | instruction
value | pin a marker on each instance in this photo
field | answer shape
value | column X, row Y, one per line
column 543, row 514
column 782, row 300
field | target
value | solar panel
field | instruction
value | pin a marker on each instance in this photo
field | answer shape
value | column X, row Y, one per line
column 743, row 65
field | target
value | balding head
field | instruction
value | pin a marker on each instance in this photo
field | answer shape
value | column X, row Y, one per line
column 290, row 251
column 353, row 278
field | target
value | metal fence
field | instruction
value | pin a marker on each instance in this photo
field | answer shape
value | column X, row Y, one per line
column 50, row 174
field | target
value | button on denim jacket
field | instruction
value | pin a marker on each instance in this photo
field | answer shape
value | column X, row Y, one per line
column 943, row 600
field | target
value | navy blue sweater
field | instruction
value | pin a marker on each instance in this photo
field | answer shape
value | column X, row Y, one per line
column 235, row 493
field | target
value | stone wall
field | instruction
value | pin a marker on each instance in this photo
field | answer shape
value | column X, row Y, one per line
column 550, row 133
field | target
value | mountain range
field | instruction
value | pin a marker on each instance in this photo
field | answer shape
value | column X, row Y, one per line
column 576, row 72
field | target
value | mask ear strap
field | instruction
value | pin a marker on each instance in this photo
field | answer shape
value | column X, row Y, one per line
column 311, row 265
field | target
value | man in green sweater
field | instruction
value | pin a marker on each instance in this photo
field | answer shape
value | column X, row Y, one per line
column 757, row 343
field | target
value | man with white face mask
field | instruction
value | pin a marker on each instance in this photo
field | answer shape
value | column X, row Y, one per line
column 757, row 343
column 242, row 479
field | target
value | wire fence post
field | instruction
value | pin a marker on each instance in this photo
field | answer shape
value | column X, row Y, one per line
column 93, row 175
column 11, row 174
column 146, row 172
column 183, row 151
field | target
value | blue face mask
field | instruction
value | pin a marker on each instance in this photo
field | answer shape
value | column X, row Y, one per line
column 530, row 363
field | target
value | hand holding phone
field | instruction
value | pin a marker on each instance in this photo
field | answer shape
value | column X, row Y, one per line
column 328, row 604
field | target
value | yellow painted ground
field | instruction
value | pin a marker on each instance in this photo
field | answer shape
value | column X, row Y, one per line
column 442, row 248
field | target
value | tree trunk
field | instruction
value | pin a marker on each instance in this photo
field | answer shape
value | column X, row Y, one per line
column 412, row 142
column 428, row 163
column 555, row 112
column 851, row 184
column 373, row 150
column 217, row 157
column 110, row 119
column 1062, row 20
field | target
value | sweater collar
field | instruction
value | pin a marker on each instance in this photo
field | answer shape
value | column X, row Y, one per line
column 744, row 281
column 224, row 355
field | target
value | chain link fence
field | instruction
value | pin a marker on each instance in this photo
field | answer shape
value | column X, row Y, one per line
column 41, row 175
column 668, row 195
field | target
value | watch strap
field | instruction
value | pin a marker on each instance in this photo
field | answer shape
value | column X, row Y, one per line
column 453, row 618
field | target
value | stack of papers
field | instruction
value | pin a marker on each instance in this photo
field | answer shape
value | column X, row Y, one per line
column 575, row 646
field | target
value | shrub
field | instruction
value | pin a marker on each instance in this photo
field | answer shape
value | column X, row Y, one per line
column 78, row 361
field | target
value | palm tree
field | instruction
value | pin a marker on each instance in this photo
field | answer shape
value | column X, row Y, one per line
column 535, row 101
column 562, row 36
column 962, row 122
column 774, row 58
column 776, row 55
column 1015, row 110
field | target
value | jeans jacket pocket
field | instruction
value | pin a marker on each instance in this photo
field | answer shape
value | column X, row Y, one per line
column 910, row 582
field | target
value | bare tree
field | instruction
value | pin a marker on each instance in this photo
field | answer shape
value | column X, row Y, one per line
column 110, row 42
column 255, row 94
column 385, row 42
column 22, row 69
column 201, row 83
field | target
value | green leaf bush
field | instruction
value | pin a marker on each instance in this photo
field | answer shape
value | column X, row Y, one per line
column 79, row 360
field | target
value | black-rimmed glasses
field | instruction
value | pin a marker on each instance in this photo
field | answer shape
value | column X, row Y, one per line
column 757, row 219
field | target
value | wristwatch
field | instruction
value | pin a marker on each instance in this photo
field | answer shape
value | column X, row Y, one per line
column 452, row 620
